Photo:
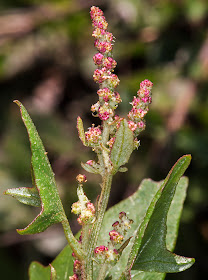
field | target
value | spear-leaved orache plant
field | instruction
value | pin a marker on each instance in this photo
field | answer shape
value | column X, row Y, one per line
column 133, row 239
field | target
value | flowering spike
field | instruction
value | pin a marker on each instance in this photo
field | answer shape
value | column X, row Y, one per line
column 108, row 98
column 140, row 107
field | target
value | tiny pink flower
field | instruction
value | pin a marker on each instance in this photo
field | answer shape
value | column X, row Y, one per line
column 95, row 107
column 90, row 162
column 146, row 84
column 103, row 114
column 116, row 237
column 143, row 92
column 132, row 125
column 103, row 91
column 100, row 253
column 91, row 207
column 111, row 142
column 145, row 99
column 93, row 135
column 103, row 46
column 98, row 33
column 98, row 58
column 87, row 216
column 77, row 267
column 109, row 63
column 108, row 37
column 141, row 125
column 122, row 214
column 99, row 76
column 136, row 114
column 95, row 12
column 113, row 80
column 125, row 221
column 136, row 102
column 100, row 249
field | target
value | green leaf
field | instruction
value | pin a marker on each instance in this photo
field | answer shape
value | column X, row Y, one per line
column 90, row 168
column 122, row 147
column 52, row 210
column 29, row 196
column 136, row 207
column 53, row 273
column 150, row 243
column 37, row 271
column 63, row 265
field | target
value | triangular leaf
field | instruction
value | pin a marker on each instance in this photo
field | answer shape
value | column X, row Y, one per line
column 52, row 210
column 122, row 146
column 136, row 207
column 150, row 241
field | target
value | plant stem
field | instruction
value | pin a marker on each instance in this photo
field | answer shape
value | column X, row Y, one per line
column 105, row 134
column 74, row 244
column 102, row 205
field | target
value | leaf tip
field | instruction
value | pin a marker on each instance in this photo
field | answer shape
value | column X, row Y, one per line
column 17, row 102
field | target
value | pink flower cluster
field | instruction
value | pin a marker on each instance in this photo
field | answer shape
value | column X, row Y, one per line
column 110, row 254
column 77, row 267
column 108, row 98
column 86, row 213
column 77, row 270
column 140, row 107
column 104, row 254
column 83, row 207
column 123, row 225
column 93, row 136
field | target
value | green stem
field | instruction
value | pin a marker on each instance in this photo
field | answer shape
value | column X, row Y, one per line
column 85, row 243
column 105, row 133
column 102, row 205
column 85, row 237
column 74, row 244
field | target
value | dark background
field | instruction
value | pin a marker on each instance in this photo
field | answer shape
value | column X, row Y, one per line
column 46, row 51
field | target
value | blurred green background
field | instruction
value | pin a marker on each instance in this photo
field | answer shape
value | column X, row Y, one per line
column 46, row 51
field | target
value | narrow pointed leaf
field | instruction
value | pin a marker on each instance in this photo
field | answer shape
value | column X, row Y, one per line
column 136, row 207
column 81, row 132
column 52, row 210
column 29, row 196
column 122, row 146
column 149, row 247
column 90, row 168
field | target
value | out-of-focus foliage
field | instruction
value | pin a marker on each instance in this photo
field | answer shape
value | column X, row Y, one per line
column 46, row 62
